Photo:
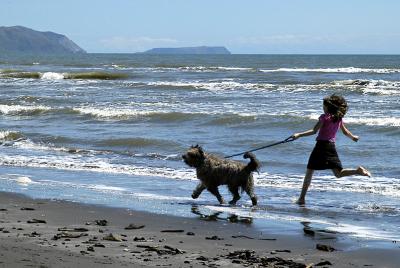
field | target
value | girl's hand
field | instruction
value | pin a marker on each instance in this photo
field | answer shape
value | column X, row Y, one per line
column 355, row 138
column 296, row 136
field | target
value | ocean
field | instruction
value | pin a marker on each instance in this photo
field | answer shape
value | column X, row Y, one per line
column 110, row 129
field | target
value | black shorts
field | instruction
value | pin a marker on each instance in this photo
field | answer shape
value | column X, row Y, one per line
column 324, row 156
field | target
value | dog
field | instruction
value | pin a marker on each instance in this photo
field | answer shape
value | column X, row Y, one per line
column 213, row 171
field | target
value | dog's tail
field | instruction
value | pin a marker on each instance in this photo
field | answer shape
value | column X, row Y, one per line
column 253, row 165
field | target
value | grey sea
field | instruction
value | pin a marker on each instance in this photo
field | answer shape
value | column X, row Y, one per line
column 110, row 129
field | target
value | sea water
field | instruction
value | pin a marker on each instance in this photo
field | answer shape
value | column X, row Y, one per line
column 111, row 128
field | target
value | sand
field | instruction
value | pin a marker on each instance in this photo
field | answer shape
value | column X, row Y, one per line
column 53, row 233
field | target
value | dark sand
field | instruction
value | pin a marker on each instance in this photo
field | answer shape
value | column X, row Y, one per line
column 74, row 235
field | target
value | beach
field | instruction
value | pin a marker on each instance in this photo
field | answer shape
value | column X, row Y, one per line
column 55, row 233
column 98, row 137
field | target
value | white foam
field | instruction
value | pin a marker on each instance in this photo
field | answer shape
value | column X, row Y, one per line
column 101, row 187
column 111, row 112
column 150, row 196
column 214, row 86
column 52, row 76
column 17, row 109
column 16, row 178
column 375, row 121
column 80, row 163
column 5, row 134
column 333, row 70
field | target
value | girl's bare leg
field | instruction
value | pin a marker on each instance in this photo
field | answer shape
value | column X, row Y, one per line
column 349, row 172
column 306, row 184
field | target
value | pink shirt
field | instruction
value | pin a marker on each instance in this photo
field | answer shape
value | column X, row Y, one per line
column 328, row 129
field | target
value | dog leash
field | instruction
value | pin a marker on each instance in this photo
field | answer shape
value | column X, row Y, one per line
column 289, row 139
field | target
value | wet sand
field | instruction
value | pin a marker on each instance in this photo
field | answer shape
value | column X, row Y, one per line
column 53, row 233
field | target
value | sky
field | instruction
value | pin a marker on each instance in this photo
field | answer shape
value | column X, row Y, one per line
column 244, row 27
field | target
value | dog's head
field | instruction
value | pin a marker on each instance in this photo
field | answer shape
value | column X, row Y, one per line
column 194, row 157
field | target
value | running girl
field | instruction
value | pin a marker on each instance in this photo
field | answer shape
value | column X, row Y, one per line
column 324, row 155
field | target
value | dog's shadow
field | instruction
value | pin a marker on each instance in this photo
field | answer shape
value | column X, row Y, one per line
column 220, row 216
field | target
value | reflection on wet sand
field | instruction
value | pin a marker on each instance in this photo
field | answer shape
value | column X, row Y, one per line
column 221, row 216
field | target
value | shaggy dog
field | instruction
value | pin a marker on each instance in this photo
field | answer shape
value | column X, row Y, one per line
column 213, row 171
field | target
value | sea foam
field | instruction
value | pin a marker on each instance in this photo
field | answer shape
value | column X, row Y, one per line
column 333, row 70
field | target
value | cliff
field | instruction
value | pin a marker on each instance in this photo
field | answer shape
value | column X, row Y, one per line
column 18, row 39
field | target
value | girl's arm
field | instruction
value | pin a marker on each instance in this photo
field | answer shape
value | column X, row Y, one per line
column 348, row 133
column 312, row 131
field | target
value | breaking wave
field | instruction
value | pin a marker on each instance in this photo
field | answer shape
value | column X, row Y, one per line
column 60, row 76
column 7, row 135
column 23, row 110
column 372, row 87
column 213, row 85
column 333, row 70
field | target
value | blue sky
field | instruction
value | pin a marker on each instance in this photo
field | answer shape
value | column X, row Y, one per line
column 252, row 26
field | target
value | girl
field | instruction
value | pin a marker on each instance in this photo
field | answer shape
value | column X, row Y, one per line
column 324, row 155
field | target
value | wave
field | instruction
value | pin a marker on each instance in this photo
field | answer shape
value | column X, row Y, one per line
column 378, row 185
column 59, row 144
column 17, row 178
column 369, row 87
column 23, row 110
column 96, row 75
column 213, row 68
column 373, row 87
column 367, row 120
column 219, row 116
column 333, row 70
column 94, row 164
column 175, row 68
column 6, row 135
column 60, row 76
column 21, row 74
column 377, row 121
column 213, row 86
column 109, row 113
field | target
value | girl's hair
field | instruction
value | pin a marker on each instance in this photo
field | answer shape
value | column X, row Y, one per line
column 336, row 105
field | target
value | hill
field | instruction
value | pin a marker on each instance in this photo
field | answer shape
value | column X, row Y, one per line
column 18, row 39
column 189, row 50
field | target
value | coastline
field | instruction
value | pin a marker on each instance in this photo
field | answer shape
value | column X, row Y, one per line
column 68, row 234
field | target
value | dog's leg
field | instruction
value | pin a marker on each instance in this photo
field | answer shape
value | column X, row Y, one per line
column 250, row 191
column 198, row 190
column 214, row 191
column 235, row 193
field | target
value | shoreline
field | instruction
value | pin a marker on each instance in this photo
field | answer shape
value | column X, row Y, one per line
column 55, row 233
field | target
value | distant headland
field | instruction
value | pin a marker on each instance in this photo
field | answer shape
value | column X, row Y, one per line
column 19, row 39
column 189, row 50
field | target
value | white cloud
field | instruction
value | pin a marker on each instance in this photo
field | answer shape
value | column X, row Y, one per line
column 135, row 44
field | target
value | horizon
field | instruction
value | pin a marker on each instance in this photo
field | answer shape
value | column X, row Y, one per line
column 260, row 28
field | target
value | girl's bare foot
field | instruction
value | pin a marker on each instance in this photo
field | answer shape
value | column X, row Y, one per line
column 363, row 171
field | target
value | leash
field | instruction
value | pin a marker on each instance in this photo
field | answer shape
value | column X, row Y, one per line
column 289, row 139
